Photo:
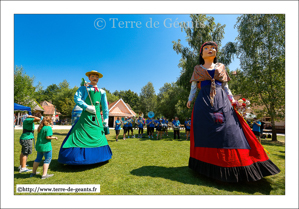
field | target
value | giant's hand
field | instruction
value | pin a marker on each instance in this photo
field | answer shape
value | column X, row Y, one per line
column 188, row 104
column 91, row 109
column 105, row 123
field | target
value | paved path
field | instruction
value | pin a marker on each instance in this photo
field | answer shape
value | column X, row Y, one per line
column 268, row 131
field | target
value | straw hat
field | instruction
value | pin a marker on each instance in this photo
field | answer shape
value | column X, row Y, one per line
column 94, row 72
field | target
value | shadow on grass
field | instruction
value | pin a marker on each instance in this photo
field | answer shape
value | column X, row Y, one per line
column 280, row 156
column 187, row 176
column 147, row 139
column 165, row 138
column 22, row 175
column 61, row 134
column 56, row 166
column 272, row 143
column 112, row 140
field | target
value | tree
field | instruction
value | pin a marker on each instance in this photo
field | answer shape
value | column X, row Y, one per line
column 129, row 97
column 166, row 101
column 39, row 94
column 133, row 99
column 110, row 97
column 234, row 85
column 196, row 36
column 64, row 98
column 261, row 48
column 24, row 90
column 148, row 98
column 47, row 94
column 170, row 103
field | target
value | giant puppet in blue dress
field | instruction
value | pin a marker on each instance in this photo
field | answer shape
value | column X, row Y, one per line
column 86, row 142
column 222, row 145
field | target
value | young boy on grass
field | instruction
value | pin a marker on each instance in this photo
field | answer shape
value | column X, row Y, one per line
column 26, row 140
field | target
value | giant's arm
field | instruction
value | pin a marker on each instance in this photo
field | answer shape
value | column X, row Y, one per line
column 80, row 97
column 192, row 91
column 104, row 104
column 227, row 91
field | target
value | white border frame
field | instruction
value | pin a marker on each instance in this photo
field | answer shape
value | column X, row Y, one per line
column 8, row 9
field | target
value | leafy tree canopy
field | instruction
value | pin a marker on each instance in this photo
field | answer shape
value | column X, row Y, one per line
column 261, row 48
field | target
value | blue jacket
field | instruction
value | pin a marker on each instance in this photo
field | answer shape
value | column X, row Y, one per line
column 81, row 95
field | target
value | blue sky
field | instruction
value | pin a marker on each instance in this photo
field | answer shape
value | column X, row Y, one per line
column 53, row 48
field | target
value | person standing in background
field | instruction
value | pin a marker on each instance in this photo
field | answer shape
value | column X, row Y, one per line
column 125, row 127
column 188, row 127
column 166, row 122
column 172, row 124
column 176, row 127
column 156, row 127
column 148, row 127
column 117, row 127
column 185, row 125
column 152, row 127
column 140, row 125
column 159, row 129
column 130, row 127
column 256, row 128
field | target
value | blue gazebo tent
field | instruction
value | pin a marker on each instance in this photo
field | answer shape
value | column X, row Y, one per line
column 18, row 107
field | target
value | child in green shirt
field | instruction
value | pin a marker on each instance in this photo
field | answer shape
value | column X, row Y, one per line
column 26, row 140
column 44, row 147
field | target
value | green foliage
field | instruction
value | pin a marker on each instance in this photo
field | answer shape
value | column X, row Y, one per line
column 110, row 97
column 170, row 102
column 181, row 107
column 148, row 99
column 196, row 36
column 147, row 167
column 129, row 97
column 63, row 98
column 261, row 48
column 47, row 94
column 24, row 90
column 234, row 85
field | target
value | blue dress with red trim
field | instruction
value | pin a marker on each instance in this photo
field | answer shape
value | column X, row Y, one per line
column 222, row 145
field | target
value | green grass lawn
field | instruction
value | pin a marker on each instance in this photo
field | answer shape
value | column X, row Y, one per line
column 149, row 167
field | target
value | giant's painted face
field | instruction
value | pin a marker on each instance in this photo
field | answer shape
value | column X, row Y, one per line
column 209, row 51
column 94, row 78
